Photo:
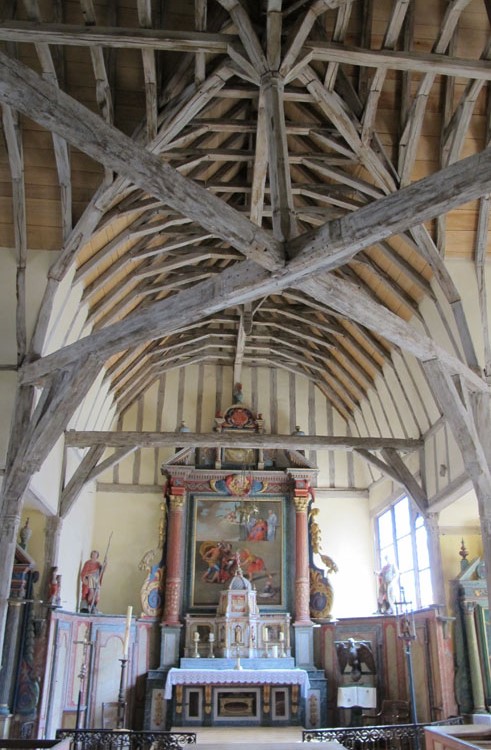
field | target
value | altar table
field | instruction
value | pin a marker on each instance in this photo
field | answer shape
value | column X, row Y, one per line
column 261, row 697
column 236, row 676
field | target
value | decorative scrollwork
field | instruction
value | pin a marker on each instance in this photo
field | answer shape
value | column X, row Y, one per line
column 97, row 739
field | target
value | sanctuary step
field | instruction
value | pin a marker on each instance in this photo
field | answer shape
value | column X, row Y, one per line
column 259, row 738
column 246, row 735
column 273, row 745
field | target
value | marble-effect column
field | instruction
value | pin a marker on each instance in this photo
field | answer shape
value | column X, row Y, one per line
column 302, row 573
column 173, row 577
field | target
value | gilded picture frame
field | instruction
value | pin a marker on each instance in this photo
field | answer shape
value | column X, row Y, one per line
column 250, row 527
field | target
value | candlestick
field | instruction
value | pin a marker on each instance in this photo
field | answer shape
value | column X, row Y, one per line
column 126, row 642
column 238, row 665
column 121, row 700
column 82, row 677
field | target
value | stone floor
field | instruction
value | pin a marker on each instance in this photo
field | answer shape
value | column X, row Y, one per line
column 247, row 735
column 254, row 738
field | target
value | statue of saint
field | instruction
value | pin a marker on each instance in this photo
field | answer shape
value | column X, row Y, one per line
column 91, row 578
column 387, row 578
column 54, row 588
column 238, row 396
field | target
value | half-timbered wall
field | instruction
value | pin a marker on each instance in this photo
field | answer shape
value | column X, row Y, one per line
column 194, row 394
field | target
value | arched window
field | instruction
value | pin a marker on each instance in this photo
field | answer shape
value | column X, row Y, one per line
column 402, row 538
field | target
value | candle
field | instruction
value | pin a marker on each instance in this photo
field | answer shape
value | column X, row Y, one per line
column 196, row 636
column 211, row 637
column 126, row 642
column 281, row 636
column 265, row 634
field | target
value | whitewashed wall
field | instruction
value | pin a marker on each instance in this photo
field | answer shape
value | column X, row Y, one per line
column 195, row 393
column 348, row 539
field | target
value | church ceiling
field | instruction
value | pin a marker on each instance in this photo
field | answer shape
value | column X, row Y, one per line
column 233, row 182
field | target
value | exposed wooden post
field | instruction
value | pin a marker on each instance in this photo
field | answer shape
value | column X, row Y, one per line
column 473, row 436
column 52, row 534
column 9, row 528
column 435, row 552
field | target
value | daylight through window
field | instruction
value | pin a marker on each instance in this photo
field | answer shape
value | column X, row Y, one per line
column 403, row 540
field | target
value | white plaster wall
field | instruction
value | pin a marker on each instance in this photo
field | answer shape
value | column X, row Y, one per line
column 88, row 415
column 194, row 394
column 46, row 482
column 464, row 277
column 76, row 542
column 348, row 539
column 133, row 520
column 67, row 312
column 462, row 515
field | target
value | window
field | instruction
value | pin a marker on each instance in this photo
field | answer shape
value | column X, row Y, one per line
column 402, row 538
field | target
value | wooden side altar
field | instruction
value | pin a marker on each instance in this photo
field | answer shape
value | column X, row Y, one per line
column 472, row 638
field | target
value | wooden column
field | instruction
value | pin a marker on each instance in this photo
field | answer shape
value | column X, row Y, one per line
column 435, row 552
column 302, row 576
column 469, row 416
column 9, row 528
column 173, row 578
column 52, row 536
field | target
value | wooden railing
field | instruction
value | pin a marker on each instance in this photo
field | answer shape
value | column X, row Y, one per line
column 383, row 737
column 112, row 739
column 458, row 738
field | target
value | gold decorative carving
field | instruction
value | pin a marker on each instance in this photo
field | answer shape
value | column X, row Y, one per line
column 301, row 503
column 207, row 699
column 176, row 502
column 294, row 699
column 178, row 699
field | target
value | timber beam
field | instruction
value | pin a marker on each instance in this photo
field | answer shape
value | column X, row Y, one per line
column 327, row 248
column 395, row 468
column 84, row 439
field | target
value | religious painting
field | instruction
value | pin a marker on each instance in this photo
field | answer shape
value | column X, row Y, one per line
column 245, row 531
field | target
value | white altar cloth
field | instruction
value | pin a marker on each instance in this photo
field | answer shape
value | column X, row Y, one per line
column 178, row 676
